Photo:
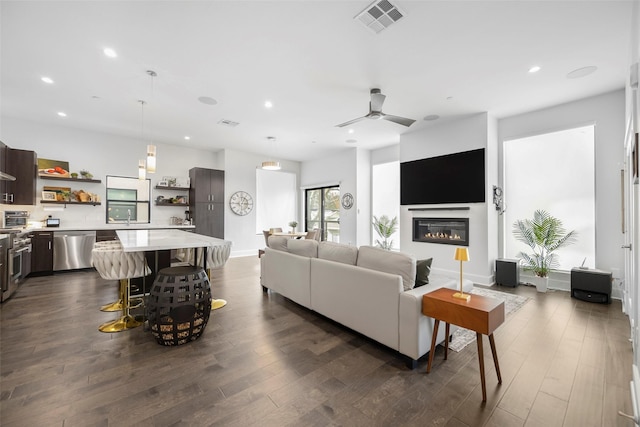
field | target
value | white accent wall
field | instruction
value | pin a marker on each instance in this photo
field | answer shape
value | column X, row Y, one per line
column 467, row 133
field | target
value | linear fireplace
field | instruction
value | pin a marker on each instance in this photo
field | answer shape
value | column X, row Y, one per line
column 447, row 231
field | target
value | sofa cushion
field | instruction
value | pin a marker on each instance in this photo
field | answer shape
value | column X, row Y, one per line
column 389, row 262
column 338, row 252
column 423, row 268
column 308, row 248
column 279, row 243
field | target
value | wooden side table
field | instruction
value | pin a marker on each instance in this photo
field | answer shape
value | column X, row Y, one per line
column 481, row 314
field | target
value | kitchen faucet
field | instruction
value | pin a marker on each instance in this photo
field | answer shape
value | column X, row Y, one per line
column 128, row 216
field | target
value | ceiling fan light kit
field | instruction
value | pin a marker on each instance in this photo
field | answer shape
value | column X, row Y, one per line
column 375, row 112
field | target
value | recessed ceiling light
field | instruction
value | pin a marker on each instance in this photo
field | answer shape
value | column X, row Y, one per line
column 110, row 52
column 62, row 114
column 268, row 104
column 582, row 72
column 47, row 80
column 351, row 131
column 351, row 141
column 534, row 69
column 187, row 137
column 431, row 117
column 207, row 100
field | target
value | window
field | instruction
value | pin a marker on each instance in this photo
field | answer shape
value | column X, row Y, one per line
column 275, row 199
column 554, row 172
column 322, row 211
column 385, row 196
column 128, row 199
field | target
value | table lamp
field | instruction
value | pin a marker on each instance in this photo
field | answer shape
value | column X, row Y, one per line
column 462, row 254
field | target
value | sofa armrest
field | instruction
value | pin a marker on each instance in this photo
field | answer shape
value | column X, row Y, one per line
column 287, row 274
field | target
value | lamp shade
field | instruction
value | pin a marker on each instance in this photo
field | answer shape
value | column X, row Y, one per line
column 462, row 254
column 151, row 158
column 142, row 170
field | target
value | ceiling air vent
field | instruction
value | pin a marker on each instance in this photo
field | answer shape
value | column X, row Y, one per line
column 379, row 15
column 229, row 123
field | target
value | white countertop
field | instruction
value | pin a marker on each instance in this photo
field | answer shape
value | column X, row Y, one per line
column 118, row 226
column 157, row 240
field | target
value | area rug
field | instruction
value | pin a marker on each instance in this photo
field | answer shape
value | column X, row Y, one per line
column 512, row 303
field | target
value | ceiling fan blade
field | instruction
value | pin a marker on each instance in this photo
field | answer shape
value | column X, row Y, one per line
column 400, row 120
column 377, row 99
column 350, row 122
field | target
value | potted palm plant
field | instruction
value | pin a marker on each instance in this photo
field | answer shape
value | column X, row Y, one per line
column 544, row 234
column 385, row 228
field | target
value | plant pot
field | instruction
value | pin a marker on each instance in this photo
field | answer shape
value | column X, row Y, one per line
column 541, row 283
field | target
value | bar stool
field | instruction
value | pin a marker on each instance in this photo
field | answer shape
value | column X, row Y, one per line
column 112, row 263
column 116, row 305
column 217, row 257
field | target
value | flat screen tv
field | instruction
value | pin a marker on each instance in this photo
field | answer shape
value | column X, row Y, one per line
column 453, row 178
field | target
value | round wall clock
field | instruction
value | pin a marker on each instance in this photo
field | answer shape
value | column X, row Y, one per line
column 347, row 200
column 241, row 203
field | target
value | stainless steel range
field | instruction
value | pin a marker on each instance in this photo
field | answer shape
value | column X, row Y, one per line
column 18, row 261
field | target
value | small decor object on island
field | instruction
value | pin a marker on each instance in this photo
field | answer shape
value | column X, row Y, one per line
column 385, row 228
column 293, row 225
column 53, row 168
column 462, row 255
column 544, row 235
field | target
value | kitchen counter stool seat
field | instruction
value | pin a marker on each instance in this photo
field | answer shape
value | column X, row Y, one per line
column 112, row 263
column 217, row 257
column 117, row 305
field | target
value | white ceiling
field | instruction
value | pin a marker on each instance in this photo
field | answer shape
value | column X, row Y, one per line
column 310, row 58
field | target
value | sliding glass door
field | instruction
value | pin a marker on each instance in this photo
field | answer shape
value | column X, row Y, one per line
column 322, row 212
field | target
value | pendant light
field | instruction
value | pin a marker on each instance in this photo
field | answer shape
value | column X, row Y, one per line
column 142, row 169
column 151, row 149
column 271, row 165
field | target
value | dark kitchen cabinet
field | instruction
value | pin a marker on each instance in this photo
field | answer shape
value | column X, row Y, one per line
column 42, row 252
column 206, row 201
column 23, row 165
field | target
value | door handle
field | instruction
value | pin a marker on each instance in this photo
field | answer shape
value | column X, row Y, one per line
column 627, row 247
column 49, row 245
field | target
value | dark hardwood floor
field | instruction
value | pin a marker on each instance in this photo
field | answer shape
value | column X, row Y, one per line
column 266, row 361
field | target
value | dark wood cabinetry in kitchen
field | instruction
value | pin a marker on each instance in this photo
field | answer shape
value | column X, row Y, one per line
column 23, row 165
column 206, row 201
column 42, row 252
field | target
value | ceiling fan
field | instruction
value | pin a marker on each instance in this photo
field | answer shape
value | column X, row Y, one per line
column 375, row 112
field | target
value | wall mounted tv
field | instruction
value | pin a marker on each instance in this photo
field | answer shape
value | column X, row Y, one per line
column 453, row 178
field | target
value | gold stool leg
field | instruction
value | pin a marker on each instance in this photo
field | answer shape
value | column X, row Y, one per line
column 126, row 321
column 215, row 303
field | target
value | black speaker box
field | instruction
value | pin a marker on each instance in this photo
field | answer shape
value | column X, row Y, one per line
column 507, row 272
column 591, row 285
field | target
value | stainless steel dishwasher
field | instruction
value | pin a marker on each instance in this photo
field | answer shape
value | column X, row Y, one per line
column 72, row 249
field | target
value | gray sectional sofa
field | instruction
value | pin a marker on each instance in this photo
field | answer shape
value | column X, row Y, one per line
column 369, row 290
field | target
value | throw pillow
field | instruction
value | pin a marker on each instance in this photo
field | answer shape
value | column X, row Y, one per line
column 423, row 268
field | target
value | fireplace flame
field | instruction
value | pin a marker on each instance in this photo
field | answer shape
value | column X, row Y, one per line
column 443, row 236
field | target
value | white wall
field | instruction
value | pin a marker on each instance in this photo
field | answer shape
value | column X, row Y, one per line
column 240, row 175
column 102, row 155
column 363, row 200
column 607, row 112
column 464, row 134
column 340, row 169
